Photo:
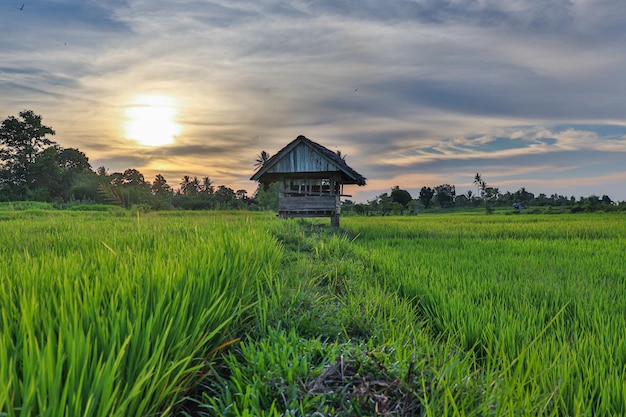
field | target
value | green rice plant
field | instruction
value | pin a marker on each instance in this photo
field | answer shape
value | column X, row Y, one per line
column 284, row 374
column 435, row 315
column 25, row 205
column 477, row 316
column 535, row 301
column 266, row 376
column 119, row 316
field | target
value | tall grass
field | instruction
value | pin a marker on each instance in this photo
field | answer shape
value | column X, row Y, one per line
column 446, row 315
column 537, row 303
column 106, row 316
column 474, row 315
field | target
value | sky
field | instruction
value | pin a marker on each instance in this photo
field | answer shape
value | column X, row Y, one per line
column 528, row 93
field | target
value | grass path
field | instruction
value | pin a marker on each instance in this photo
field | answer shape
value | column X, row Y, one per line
column 462, row 316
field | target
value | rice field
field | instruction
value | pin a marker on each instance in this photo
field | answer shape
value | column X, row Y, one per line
column 118, row 316
column 475, row 315
column 536, row 304
column 241, row 314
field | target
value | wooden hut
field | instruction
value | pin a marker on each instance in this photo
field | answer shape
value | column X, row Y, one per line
column 311, row 180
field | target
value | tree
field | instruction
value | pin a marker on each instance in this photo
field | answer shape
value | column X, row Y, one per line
column 385, row 204
column 426, row 196
column 132, row 177
column 73, row 160
column 125, row 189
column 347, row 206
column 444, row 194
column 267, row 198
column 85, row 187
column 194, row 186
column 74, row 167
column 490, row 195
column 45, row 177
column 206, row 186
column 224, row 196
column 593, row 200
column 461, row 201
column 187, row 186
column 86, row 184
column 102, row 172
column 113, row 193
column 36, row 168
column 478, row 181
column 361, row 208
column 160, row 188
column 261, row 159
column 403, row 197
column 524, row 197
column 22, row 140
column 161, row 192
column 606, row 200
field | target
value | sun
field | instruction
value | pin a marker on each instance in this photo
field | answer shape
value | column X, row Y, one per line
column 151, row 120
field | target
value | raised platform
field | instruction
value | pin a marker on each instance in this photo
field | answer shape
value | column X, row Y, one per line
column 287, row 214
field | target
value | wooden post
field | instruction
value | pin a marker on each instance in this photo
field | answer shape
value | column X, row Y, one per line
column 334, row 220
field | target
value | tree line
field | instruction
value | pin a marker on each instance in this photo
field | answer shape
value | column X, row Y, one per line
column 35, row 168
column 444, row 196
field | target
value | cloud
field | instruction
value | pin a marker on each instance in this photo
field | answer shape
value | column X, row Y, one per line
column 408, row 89
column 530, row 157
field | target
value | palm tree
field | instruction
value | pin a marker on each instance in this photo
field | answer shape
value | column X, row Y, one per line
column 159, row 186
column 261, row 159
column 101, row 171
column 207, row 186
column 193, row 186
column 478, row 181
column 492, row 193
column 184, row 185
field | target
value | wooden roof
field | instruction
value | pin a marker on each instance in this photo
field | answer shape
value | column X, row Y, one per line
column 304, row 157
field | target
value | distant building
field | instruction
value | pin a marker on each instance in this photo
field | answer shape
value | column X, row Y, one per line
column 311, row 180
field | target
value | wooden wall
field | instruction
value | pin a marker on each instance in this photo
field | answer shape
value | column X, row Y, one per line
column 304, row 159
column 309, row 205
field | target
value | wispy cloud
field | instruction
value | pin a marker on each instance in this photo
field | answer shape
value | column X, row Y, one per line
column 411, row 90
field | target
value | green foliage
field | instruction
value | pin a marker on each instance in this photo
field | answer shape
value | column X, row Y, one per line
column 261, row 159
column 115, row 195
column 490, row 198
column 94, row 207
column 435, row 315
column 528, row 299
column 284, row 374
column 34, row 167
column 22, row 141
column 402, row 197
column 127, row 325
column 264, row 377
column 474, row 315
column 268, row 199
column 445, row 194
column 25, row 205
column 426, row 196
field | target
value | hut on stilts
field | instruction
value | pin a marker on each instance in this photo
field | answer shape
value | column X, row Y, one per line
column 311, row 179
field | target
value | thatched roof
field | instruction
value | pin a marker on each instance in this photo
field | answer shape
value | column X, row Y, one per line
column 303, row 157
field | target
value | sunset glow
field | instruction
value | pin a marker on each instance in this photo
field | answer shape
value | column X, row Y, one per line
column 151, row 121
column 416, row 93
